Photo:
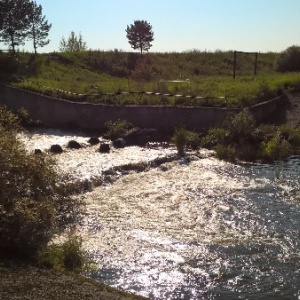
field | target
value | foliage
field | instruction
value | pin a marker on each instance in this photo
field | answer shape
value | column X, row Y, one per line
column 278, row 148
column 215, row 136
column 193, row 140
column 39, row 27
column 289, row 60
column 93, row 73
column 65, row 256
column 180, row 138
column 143, row 71
column 240, row 138
column 117, row 129
column 21, row 19
column 241, row 127
column 226, row 152
column 33, row 203
column 140, row 35
column 73, row 44
column 15, row 21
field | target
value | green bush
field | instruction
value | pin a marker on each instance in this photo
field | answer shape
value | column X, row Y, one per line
column 240, row 138
column 180, row 138
column 278, row 148
column 66, row 256
column 241, row 127
column 289, row 60
column 291, row 134
column 225, row 152
column 215, row 136
column 32, row 199
column 117, row 129
column 193, row 140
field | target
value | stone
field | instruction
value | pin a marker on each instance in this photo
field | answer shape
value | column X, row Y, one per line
column 94, row 140
column 119, row 143
column 104, row 148
column 37, row 151
column 56, row 149
column 74, row 145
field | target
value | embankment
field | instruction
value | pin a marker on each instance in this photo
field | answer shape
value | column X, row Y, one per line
column 53, row 112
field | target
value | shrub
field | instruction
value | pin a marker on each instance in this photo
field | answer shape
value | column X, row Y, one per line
column 241, row 127
column 143, row 70
column 214, row 137
column 193, row 140
column 117, row 129
column 225, row 152
column 32, row 198
column 66, row 256
column 278, row 148
column 180, row 138
column 289, row 60
column 291, row 134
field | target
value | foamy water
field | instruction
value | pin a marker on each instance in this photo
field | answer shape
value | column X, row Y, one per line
column 203, row 229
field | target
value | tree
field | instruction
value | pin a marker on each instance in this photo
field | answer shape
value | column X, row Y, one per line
column 140, row 35
column 39, row 27
column 73, row 44
column 289, row 60
column 14, row 22
column 33, row 202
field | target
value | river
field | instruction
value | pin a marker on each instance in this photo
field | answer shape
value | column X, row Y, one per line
column 188, row 229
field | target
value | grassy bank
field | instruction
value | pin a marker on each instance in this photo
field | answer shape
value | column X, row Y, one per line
column 100, row 77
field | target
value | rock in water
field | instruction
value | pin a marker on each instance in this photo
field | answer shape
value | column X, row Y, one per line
column 56, row 149
column 104, row 148
column 119, row 143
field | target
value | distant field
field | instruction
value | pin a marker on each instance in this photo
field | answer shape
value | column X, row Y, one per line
column 207, row 75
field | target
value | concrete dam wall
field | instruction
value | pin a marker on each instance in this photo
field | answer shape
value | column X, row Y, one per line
column 53, row 112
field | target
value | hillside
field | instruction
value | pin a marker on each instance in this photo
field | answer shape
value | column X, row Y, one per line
column 108, row 77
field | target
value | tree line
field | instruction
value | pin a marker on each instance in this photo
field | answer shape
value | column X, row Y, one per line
column 139, row 35
column 22, row 20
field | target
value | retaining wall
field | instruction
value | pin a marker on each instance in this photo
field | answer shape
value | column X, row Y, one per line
column 53, row 112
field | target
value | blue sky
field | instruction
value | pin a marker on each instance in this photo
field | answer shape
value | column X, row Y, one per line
column 178, row 25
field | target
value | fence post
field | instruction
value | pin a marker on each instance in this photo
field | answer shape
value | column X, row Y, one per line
column 255, row 64
column 234, row 63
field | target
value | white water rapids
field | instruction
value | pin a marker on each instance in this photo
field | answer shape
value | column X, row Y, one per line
column 198, row 229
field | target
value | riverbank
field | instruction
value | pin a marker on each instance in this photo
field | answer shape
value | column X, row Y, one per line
column 22, row 281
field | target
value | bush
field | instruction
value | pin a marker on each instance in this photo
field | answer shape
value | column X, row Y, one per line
column 66, row 256
column 214, row 137
column 241, row 139
column 180, row 138
column 117, row 129
column 225, row 152
column 32, row 199
column 193, row 140
column 241, row 127
column 289, row 60
column 278, row 148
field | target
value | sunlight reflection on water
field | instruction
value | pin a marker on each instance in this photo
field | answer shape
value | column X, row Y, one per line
column 206, row 229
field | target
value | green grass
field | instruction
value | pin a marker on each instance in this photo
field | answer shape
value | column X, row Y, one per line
column 204, row 74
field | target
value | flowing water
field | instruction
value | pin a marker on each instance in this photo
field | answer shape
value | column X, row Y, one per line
column 196, row 229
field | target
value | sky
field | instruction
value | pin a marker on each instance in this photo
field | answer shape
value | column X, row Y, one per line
column 178, row 25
